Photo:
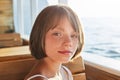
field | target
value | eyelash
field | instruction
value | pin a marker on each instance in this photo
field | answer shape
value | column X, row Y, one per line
column 58, row 34
column 74, row 36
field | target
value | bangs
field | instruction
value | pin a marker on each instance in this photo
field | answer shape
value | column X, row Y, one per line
column 58, row 17
column 73, row 22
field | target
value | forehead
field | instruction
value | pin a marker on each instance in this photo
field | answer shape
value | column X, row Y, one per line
column 63, row 23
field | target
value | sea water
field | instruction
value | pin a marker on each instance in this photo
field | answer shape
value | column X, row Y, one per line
column 102, row 36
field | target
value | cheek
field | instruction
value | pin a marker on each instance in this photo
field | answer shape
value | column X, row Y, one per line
column 50, row 40
column 75, row 44
column 51, row 43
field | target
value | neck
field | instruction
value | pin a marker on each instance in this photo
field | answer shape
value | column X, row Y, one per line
column 48, row 67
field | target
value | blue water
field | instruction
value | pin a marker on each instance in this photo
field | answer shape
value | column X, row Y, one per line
column 102, row 36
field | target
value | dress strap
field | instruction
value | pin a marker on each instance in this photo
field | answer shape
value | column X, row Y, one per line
column 68, row 72
column 37, row 75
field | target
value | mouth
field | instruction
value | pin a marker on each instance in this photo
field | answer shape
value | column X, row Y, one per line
column 65, row 52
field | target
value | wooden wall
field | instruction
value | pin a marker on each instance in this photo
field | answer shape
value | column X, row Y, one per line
column 93, row 73
column 6, row 16
column 16, row 62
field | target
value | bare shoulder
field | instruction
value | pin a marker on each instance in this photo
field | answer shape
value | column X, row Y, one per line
column 34, row 74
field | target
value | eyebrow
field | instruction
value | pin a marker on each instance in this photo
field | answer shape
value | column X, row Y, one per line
column 59, row 28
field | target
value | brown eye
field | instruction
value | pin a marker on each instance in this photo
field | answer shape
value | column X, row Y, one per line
column 74, row 36
column 57, row 34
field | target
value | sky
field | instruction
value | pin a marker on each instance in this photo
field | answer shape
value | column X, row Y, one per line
column 96, row 8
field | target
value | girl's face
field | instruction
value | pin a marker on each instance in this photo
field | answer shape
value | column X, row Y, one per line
column 61, row 42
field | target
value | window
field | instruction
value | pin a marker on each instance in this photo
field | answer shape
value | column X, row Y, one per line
column 101, row 21
column 102, row 26
column 25, row 12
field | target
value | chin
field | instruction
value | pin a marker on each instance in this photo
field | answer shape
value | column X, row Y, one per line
column 66, row 61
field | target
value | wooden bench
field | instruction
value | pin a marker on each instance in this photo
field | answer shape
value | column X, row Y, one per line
column 16, row 62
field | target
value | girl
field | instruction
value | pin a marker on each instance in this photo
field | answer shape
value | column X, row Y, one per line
column 56, row 38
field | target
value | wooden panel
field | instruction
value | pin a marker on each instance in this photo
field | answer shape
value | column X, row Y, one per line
column 14, row 53
column 80, row 76
column 6, row 16
column 15, row 70
column 16, row 62
column 93, row 73
column 76, row 66
column 10, row 40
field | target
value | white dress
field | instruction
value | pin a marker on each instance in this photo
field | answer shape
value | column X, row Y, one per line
column 69, row 74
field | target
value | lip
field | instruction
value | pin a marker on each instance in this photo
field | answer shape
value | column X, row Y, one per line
column 66, row 52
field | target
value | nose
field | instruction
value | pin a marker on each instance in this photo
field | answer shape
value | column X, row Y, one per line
column 68, row 41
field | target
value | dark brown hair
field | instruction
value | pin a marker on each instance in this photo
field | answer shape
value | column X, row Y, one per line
column 47, row 19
